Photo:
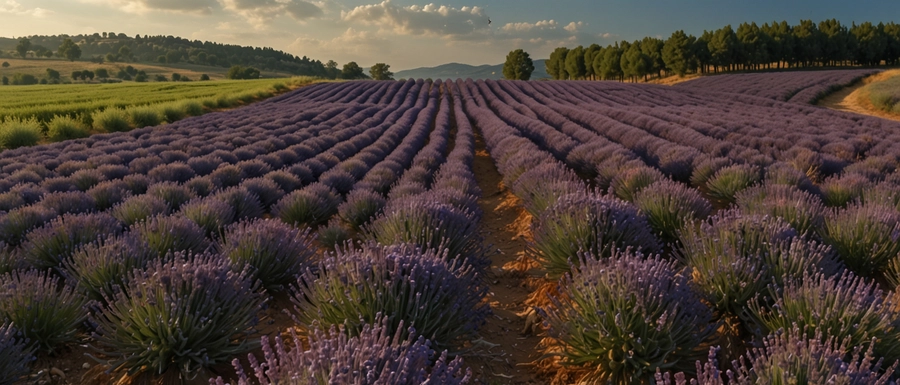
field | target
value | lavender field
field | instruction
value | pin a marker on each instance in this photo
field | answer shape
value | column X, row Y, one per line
column 684, row 228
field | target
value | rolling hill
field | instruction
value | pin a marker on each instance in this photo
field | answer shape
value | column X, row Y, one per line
column 458, row 70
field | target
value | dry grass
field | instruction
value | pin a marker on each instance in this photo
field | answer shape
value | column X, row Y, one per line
column 856, row 98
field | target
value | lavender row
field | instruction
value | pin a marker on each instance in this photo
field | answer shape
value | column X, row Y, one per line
column 797, row 87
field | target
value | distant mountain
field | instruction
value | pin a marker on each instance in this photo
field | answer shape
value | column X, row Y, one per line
column 464, row 71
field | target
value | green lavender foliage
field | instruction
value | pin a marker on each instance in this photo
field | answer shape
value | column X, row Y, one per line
column 626, row 316
column 183, row 313
column 48, row 312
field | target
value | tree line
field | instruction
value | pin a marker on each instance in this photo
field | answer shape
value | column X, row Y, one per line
column 750, row 47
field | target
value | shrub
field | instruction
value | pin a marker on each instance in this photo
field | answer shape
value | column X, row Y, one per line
column 64, row 128
column 668, row 205
column 275, row 252
column 108, row 194
column 802, row 210
column 138, row 208
column 15, row 224
column 341, row 181
column 48, row 246
column 431, row 226
column 361, row 207
column 839, row 191
column 137, row 183
column 794, row 358
column 100, row 269
column 245, row 203
column 172, row 193
column 374, row 356
column 730, row 180
column 111, row 120
column 178, row 172
column 585, row 222
column 834, row 307
column 266, row 190
column 864, row 236
column 73, row 202
column 443, row 301
column 727, row 254
column 538, row 196
column 334, row 234
column 182, row 314
column 631, row 181
column 11, row 200
column 783, row 174
column 172, row 112
column 86, row 178
column 227, row 175
column 15, row 355
column 201, row 186
column 10, row 260
column 623, row 317
column 212, row 215
column 15, row 133
column 166, row 234
column 46, row 311
column 310, row 206
column 143, row 116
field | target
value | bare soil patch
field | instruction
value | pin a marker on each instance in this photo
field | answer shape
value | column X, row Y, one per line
column 856, row 99
column 506, row 349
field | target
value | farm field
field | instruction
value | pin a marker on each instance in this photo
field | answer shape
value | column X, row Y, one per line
column 38, row 68
column 536, row 232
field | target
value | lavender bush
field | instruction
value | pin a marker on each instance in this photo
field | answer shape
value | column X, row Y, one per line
column 622, row 318
column 585, row 222
column 164, row 234
column 48, row 246
column 442, row 300
column 865, row 236
column 274, row 252
column 668, row 205
column 842, row 307
column 15, row 355
column 375, row 356
column 183, row 314
column 138, row 208
column 46, row 310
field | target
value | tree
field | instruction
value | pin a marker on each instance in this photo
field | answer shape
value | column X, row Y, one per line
column 556, row 65
column 125, row 53
column 241, row 72
column 52, row 74
column 76, row 75
column 5, row 64
column 610, row 63
column 752, row 46
column 102, row 73
column 589, row 54
column 723, row 48
column 176, row 76
column 204, row 77
column 651, row 48
column 634, row 63
column 352, row 70
column 87, row 74
column 678, row 53
column 24, row 79
column 809, row 42
column 5, row 81
column 381, row 71
column 331, row 70
column 173, row 56
column 69, row 50
column 23, row 47
column 518, row 65
column 871, row 43
column 575, row 63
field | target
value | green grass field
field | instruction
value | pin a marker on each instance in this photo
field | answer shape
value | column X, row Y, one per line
column 39, row 113
column 885, row 95
column 43, row 102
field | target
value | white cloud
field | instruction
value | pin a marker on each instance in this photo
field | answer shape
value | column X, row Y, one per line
column 528, row 27
column 13, row 7
column 145, row 6
column 352, row 45
column 427, row 20
column 574, row 27
column 261, row 12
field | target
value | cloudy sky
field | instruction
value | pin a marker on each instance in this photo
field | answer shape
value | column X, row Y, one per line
column 408, row 34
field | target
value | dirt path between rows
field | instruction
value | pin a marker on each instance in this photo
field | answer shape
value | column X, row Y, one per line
column 855, row 99
column 504, row 353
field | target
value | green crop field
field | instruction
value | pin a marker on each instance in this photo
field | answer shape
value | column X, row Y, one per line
column 43, row 102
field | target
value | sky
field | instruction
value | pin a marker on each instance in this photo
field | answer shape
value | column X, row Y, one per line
column 408, row 34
